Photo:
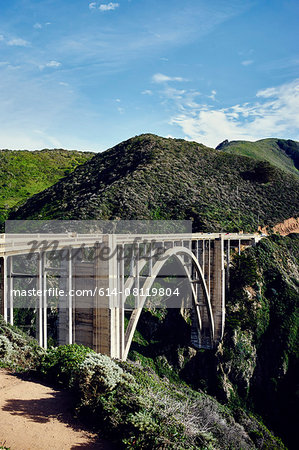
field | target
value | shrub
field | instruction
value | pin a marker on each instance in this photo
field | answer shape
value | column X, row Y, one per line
column 60, row 363
column 17, row 350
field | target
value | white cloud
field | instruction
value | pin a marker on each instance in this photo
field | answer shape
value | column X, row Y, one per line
column 275, row 114
column 92, row 5
column 147, row 92
column 213, row 94
column 108, row 7
column 18, row 42
column 50, row 64
column 184, row 100
column 37, row 26
column 247, row 62
column 161, row 78
column 174, row 94
column 53, row 64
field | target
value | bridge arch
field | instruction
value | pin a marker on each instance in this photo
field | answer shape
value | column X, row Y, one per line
column 178, row 253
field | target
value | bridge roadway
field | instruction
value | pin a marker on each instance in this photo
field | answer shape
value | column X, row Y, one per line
column 100, row 322
column 16, row 244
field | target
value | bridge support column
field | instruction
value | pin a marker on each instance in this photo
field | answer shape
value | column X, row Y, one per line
column 3, row 294
column 107, row 314
column 217, row 292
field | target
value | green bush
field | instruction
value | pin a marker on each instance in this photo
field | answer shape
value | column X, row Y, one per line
column 60, row 363
column 18, row 351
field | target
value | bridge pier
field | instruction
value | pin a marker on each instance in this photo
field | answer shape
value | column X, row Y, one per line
column 107, row 316
column 217, row 291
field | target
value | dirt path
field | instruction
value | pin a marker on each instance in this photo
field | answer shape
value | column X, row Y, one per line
column 37, row 417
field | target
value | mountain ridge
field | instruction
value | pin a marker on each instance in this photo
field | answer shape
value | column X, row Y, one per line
column 279, row 152
column 150, row 177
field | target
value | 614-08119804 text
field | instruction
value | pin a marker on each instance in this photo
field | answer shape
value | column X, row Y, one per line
column 150, row 292
column 141, row 292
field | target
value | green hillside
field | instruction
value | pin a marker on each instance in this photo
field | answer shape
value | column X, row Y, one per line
column 25, row 173
column 256, row 365
column 281, row 153
column 149, row 177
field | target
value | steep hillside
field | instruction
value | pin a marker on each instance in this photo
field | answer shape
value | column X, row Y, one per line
column 24, row 173
column 152, row 177
column 259, row 356
column 256, row 365
column 281, row 153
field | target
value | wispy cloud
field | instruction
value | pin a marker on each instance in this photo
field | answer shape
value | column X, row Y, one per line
column 108, row 6
column 50, row 64
column 275, row 113
column 53, row 64
column 18, row 42
column 113, row 48
column 213, row 94
column 283, row 63
column 147, row 92
column 161, row 78
column 247, row 62
column 37, row 26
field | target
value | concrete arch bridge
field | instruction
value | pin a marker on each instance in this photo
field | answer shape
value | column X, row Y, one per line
column 99, row 279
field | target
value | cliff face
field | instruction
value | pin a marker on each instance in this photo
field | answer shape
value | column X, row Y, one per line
column 255, row 366
column 149, row 177
column 258, row 359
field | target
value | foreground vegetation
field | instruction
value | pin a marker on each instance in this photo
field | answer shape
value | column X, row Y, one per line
column 134, row 406
column 17, row 350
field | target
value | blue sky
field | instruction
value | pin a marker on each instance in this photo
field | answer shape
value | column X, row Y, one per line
column 86, row 75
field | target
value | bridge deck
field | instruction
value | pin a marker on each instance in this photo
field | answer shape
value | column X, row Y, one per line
column 13, row 244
